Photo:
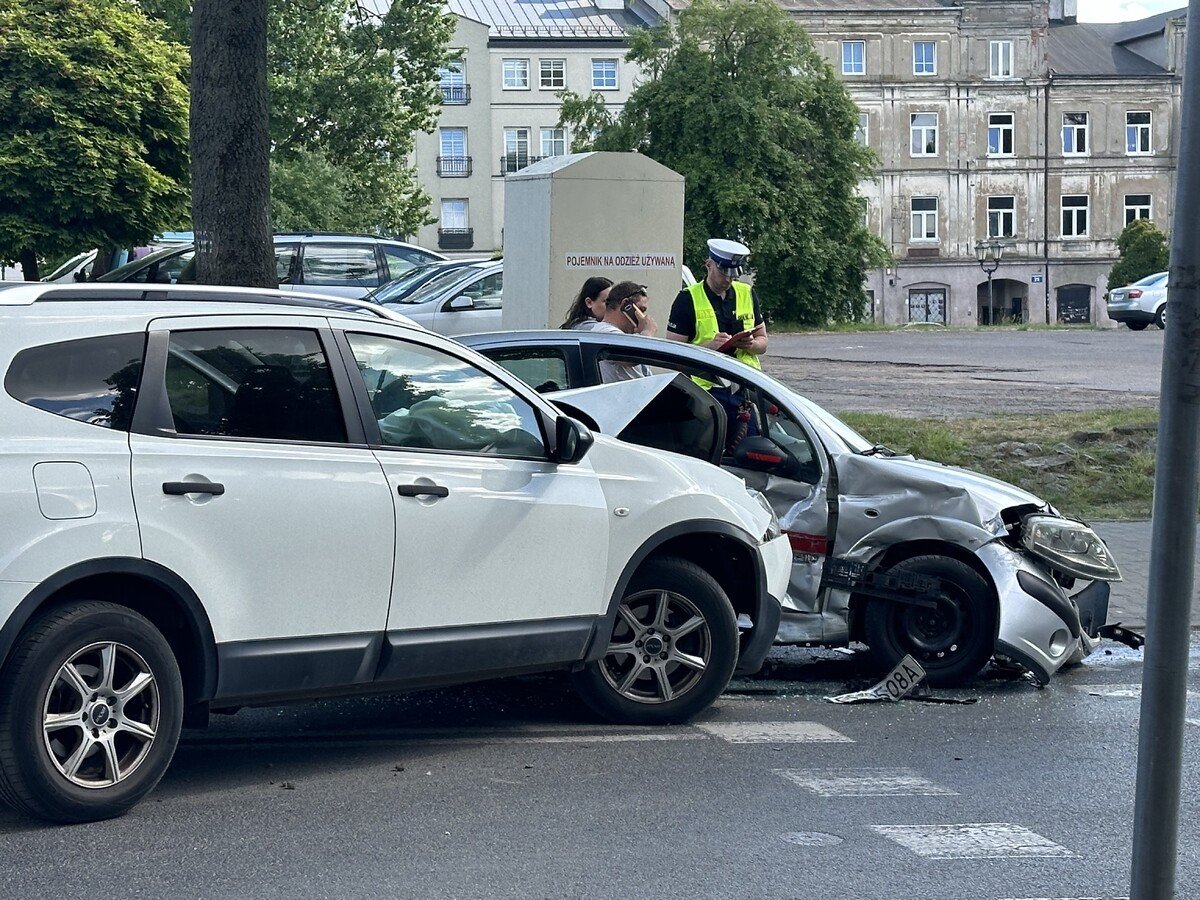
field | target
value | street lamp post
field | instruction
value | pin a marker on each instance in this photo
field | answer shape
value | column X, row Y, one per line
column 988, row 253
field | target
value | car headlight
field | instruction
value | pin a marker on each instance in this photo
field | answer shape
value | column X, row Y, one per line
column 1070, row 546
column 773, row 530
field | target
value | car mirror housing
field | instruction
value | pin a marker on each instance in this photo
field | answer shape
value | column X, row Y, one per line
column 572, row 440
column 462, row 302
column 761, row 454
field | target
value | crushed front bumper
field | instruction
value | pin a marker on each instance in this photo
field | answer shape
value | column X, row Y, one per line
column 1041, row 627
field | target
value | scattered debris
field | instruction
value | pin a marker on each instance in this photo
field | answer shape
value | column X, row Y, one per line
column 288, row 786
column 397, row 768
column 1122, row 635
column 898, row 683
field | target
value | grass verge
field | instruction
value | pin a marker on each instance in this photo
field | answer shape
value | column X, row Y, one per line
column 1095, row 465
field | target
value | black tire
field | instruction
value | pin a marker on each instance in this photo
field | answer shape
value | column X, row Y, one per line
column 1137, row 326
column 952, row 643
column 1160, row 317
column 37, row 684
column 688, row 592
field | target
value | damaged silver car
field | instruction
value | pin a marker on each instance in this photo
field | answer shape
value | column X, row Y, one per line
column 905, row 555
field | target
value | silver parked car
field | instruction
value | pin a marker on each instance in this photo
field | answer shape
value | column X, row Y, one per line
column 903, row 554
column 339, row 265
column 461, row 300
column 1140, row 303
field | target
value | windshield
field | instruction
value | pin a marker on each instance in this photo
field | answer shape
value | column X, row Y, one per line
column 68, row 265
column 122, row 273
column 394, row 290
column 442, row 284
column 836, row 434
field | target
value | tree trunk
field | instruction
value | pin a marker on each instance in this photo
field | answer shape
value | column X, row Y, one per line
column 230, row 144
column 29, row 265
column 103, row 263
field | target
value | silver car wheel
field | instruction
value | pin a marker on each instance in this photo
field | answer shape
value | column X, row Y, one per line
column 100, row 715
column 660, row 647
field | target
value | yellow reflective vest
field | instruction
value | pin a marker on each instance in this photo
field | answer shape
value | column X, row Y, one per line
column 706, row 318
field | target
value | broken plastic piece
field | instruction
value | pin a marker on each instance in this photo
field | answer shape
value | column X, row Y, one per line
column 1122, row 635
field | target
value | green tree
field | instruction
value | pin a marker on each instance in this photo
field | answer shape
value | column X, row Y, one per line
column 93, row 128
column 1144, row 251
column 349, row 89
column 736, row 99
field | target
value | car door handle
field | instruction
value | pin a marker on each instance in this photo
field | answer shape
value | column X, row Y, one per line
column 179, row 488
column 422, row 490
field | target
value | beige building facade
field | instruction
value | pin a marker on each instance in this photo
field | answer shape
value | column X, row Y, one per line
column 993, row 120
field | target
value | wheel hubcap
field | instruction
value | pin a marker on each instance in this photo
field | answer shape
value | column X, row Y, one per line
column 100, row 715
column 660, row 647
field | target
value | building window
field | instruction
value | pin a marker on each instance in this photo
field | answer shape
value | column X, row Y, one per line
column 452, row 79
column 516, row 74
column 554, row 142
column 516, row 150
column 1137, row 206
column 552, row 74
column 604, row 74
column 453, row 161
column 860, row 133
column 454, row 215
column 1001, row 216
column 854, row 57
column 1075, row 134
column 1000, row 134
column 924, row 58
column 924, row 219
column 864, row 210
column 1000, row 59
column 1075, row 215
column 923, row 129
column 1137, row 133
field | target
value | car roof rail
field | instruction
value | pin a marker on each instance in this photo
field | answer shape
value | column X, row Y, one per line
column 345, row 234
column 234, row 295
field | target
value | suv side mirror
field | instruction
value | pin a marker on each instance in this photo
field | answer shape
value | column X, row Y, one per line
column 572, row 440
column 461, row 302
column 761, row 454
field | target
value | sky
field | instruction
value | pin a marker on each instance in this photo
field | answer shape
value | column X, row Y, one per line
column 1124, row 10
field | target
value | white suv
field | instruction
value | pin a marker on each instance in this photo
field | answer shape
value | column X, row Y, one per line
column 215, row 497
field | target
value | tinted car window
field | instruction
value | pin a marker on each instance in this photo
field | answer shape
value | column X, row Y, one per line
column 423, row 398
column 484, row 293
column 285, row 262
column 439, row 285
column 345, row 265
column 266, row 384
column 400, row 260
column 93, row 380
column 545, row 370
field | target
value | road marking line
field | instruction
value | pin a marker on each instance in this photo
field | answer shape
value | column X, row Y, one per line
column 990, row 840
column 774, row 733
column 1119, row 691
column 865, row 783
column 1195, row 722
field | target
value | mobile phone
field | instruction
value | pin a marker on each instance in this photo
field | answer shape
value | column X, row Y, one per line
column 631, row 310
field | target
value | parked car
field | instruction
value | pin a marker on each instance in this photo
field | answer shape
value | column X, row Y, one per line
column 1140, row 303
column 79, row 266
column 343, row 265
column 903, row 554
column 396, row 290
column 226, row 496
column 459, row 300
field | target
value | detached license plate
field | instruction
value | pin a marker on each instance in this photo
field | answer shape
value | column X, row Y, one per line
column 902, row 679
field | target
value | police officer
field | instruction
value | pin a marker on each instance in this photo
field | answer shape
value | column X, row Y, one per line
column 719, row 309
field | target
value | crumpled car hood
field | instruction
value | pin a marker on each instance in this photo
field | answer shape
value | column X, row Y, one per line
column 904, row 486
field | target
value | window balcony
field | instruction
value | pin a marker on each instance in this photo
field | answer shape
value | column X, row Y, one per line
column 456, row 238
column 456, row 94
column 454, row 166
column 514, row 162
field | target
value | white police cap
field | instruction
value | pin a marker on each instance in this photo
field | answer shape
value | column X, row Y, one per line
column 730, row 256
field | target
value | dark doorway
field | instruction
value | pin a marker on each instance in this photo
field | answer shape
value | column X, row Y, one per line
column 1074, row 303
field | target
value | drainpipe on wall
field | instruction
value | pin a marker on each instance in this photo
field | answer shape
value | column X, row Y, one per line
column 1046, row 195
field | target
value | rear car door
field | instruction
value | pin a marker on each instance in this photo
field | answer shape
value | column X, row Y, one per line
column 494, row 541
column 253, row 485
column 342, row 269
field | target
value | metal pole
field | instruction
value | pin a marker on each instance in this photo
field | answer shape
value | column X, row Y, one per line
column 1173, row 535
column 991, row 308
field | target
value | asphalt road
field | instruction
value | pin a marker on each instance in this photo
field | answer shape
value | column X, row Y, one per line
column 508, row 790
column 949, row 374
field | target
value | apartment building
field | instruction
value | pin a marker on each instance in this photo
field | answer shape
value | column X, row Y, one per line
column 500, row 107
column 1001, row 122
